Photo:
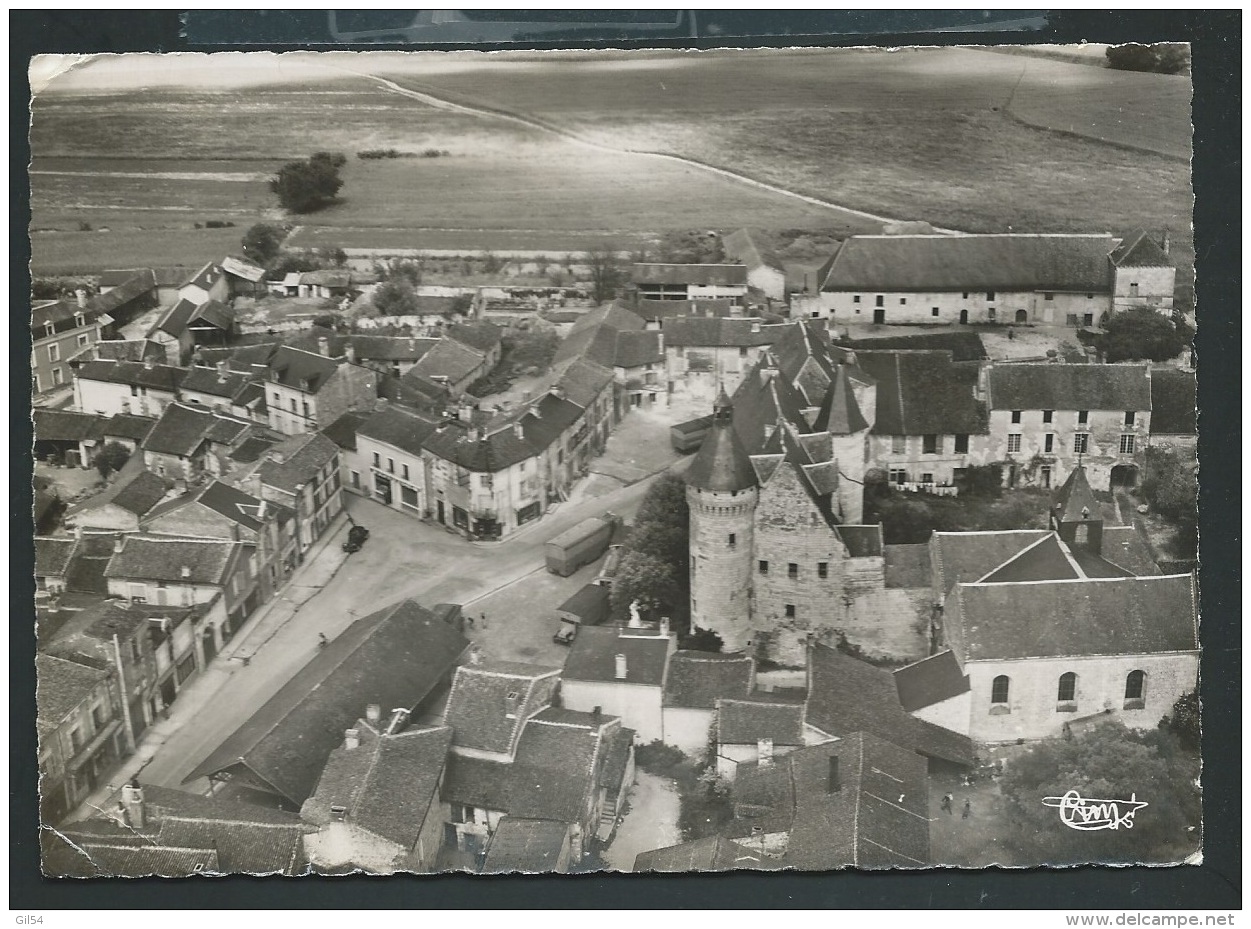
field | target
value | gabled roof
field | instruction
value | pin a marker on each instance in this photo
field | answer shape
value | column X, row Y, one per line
column 141, row 493
column 484, row 453
column 582, row 381
column 180, row 431
column 181, row 561
column 840, row 413
column 126, row 426
column 342, row 432
column 699, row 679
column 1075, row 501
column 306, row 371
column 394, row 657
column 490, row 702
column 930, row 680
column 721, row 275
column 326, row 278
column 653, row 310
column 963, row 557
column 234, row 504
column 1027, row 386
column 1139, row 250
column 715, row 853
column 847, row 695
column 546, row 419
column 448, row 359
column 213, row 313
column 61, row 686
column 62, row 314
column 920, row 393
column 205, row 277
column 137, row 373
column 1174, row 403
column 1125, row 547
column 482, row 337
column 1077, row 618
column 1011, row 262
column 52, row 556
column 963, row 345
column 761, row 716
column 210, row 381
column 64, row 426
column 177, row 319
column 303, row 456
column 593, row 655
column 718, row 332
column 398, row 428
column 244, row 269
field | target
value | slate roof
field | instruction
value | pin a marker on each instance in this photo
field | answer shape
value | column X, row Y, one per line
column 386, row 784
column 342, row 432
column 61, row 686
column 141, row 374
column 1043, row 561
column 52, row 556
column 206, row 380
column 846, row 695
column 745, row 722
column 592, row 657
column 921, row 393
column 306, row 371
column 234, row 504
column 719, row 332
column 653, row 310
column 1139, row 250
column 140, row 283
column 251, row 449
column 1125, row 547
column 394, row 657
column 750, row 247
column 398, row 428
column 610, row 336
column 1174, row 402
column 1116, row 616
column 162, row 558
column 482, row 337
column 126, row 426
column 448, row 359
column 547, row 418
column 699, row 679
column 205, row 277
column 90, row 856
column 64, row 426
column 963, row 557
column 840, row 413
column 58, row 312
column 1074, row 501
column 472, row 451
column 582, row 381
column 722, row 464
column 715, row 853
column 478, row 707
column 1011, row 262
column 177, row 319
column 140, row 494
column 1029, row 386
column 303, row 456
column 963, row 346
column 181, row 430
column 525, row 845
column 722, row 275
column 930, row 680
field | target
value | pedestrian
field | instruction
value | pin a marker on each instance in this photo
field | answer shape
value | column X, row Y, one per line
column 947, row 798
column 469, row 619
column 967, row 811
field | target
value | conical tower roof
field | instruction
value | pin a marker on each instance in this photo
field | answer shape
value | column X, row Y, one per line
column 1075, row 501
column 840, row 413
column 722, row 464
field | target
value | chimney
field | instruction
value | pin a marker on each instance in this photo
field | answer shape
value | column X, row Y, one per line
column 621, row 667
column 147, row 364
column 78, row 533
column 277, row 457
column 221, row 372
column 81, row 295
column 323, row 346
column 352, row 739
column 475, row 656
column 118, row 543
column 834, row 785
column 755, row 325
column 764, row 752
column 412, row 344
column 132, row 804
column 518, row 431
column 349, row 352
column 398, row 715
column 373, row 713
column 185, row 571
column 660, row 342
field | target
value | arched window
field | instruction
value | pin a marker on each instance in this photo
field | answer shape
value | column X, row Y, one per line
column 1067, row 691
column 999, row 689
column 1135, row 685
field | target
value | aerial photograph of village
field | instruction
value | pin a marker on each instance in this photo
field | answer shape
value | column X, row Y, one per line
column 637, row 461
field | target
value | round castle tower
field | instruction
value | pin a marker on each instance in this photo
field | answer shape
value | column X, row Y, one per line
column 842, row 418
column 721, row 490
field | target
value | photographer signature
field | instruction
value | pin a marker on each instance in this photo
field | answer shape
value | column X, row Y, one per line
column 1089, row 814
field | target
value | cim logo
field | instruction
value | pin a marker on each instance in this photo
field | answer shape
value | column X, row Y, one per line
column 1089, row 814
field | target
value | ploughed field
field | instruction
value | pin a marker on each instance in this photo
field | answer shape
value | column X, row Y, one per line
column 949, row 136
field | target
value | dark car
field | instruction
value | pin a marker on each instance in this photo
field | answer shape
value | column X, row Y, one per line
column 356, row 538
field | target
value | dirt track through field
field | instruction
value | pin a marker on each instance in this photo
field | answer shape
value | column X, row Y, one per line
column 532, row 123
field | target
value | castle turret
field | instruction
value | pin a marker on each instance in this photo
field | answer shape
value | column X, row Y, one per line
column 840, row 416
column 1076, row 515
column 721, row 490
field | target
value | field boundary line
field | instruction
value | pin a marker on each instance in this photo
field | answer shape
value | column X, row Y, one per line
column 1073, row 134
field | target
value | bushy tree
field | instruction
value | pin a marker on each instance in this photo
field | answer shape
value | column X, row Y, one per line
column 1106, row 762
column 1170, row 484
column 691, row 247
column 1184, row 720
column 112, row 457
column 981, row 481
column 1140, row 333
column 409, row 271
column 396, row 298
column 606, row 273
column 263, row 242
column 305, row 186
column 655, row 567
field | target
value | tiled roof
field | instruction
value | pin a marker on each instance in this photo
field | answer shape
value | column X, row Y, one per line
column 139, row 285
column 153, row 558
column 921, row 393
column 700, row 679
column 251, row 449
column 719, row 332
column 745, row 722
column 448, row 359
column 722, row 275
column 482, row 337
column 653, row 310
column 61, row 313
column 1125, row 547
column 525, row 845
column 64, row 426
column 582, row 381
column 176, row 319
column 546, row 419
column 70, row 854
column 140, row 494
column 473, row 451
column 342, row 432
column 306, row 371
column 1139, row 250
column 1074, row 500
column 52, row 556
column 125, row 350
column 555, row 771
column 61, row 686
column 394, row 657
column 327, row 278
column 840, row 413
column 397, row 427
column 180, row 430
column 234, row 504
column 964, row 346
column 635, row 349
column 205, row 277
column 215, row 314
column 140, row 374
column 592, row 657
column 908, row 263
column 303, row 456
column 1117, row 616
column 126, row 426
column 209, row 381
column 1070, row 387
column 1174, row 403
column 243, row 269
column 963, row 557
column 722, row 464
column 847, row 695
column 615, row 759
column 929, row 681
column 711, row 854
column 480, row 709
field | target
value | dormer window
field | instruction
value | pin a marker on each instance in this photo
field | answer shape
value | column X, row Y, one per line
column 79, row 320
column 48, row 329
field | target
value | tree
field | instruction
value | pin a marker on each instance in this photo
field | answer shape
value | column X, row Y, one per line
column 112, row 457
column 396, row 298
column 404, row 270
column 655, row 568
column 1184, row 721
column 305, row 186
column 1170, row 485
column 1106, row 762
column 982, row 480
column 1140, row 333
column 691, row 248
column 647, row 579
column 263, row 242
column 606, row 273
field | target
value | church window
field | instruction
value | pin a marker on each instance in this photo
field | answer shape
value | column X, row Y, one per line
column 792, row 570
column 790, row 611
column 1135, row 689
column 764, row 567
column 1067, row 691
column 823, row 569
column 999, row 689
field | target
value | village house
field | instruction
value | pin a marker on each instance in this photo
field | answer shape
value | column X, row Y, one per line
column 65, row 437
column 52, row 560
column 190, row 442
column 386, row 354
column 225, row 391
column 763, row 725
column 243, row 276
column 622, row 673
column 58, row 331
column 209, row 283
column 332, row 284
column 309, row 390
column 655, row 312
column 126, row 429
column 123, row 504
column 765, row 271
column 301, row 475
column 616, row 338
column 120, row 350
column 159, row 832
column 655, row 281
column 451, row 363
column 705, row 354
column 107, row 388
column 377, row 803
column 172, row 332
column 694, row 682
column 1073, row 280
column 389, row 462
column 81, row 735
column 71, row 577
column 400, row 656
column 529, row 846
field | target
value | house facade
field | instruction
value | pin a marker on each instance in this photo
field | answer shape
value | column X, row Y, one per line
column 144, row 388
column 307, row 391
column 59, row 330
column 622, row 672
column 656, row 281
column 704, row 354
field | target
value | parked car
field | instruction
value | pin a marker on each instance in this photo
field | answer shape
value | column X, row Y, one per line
column 356, row 538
